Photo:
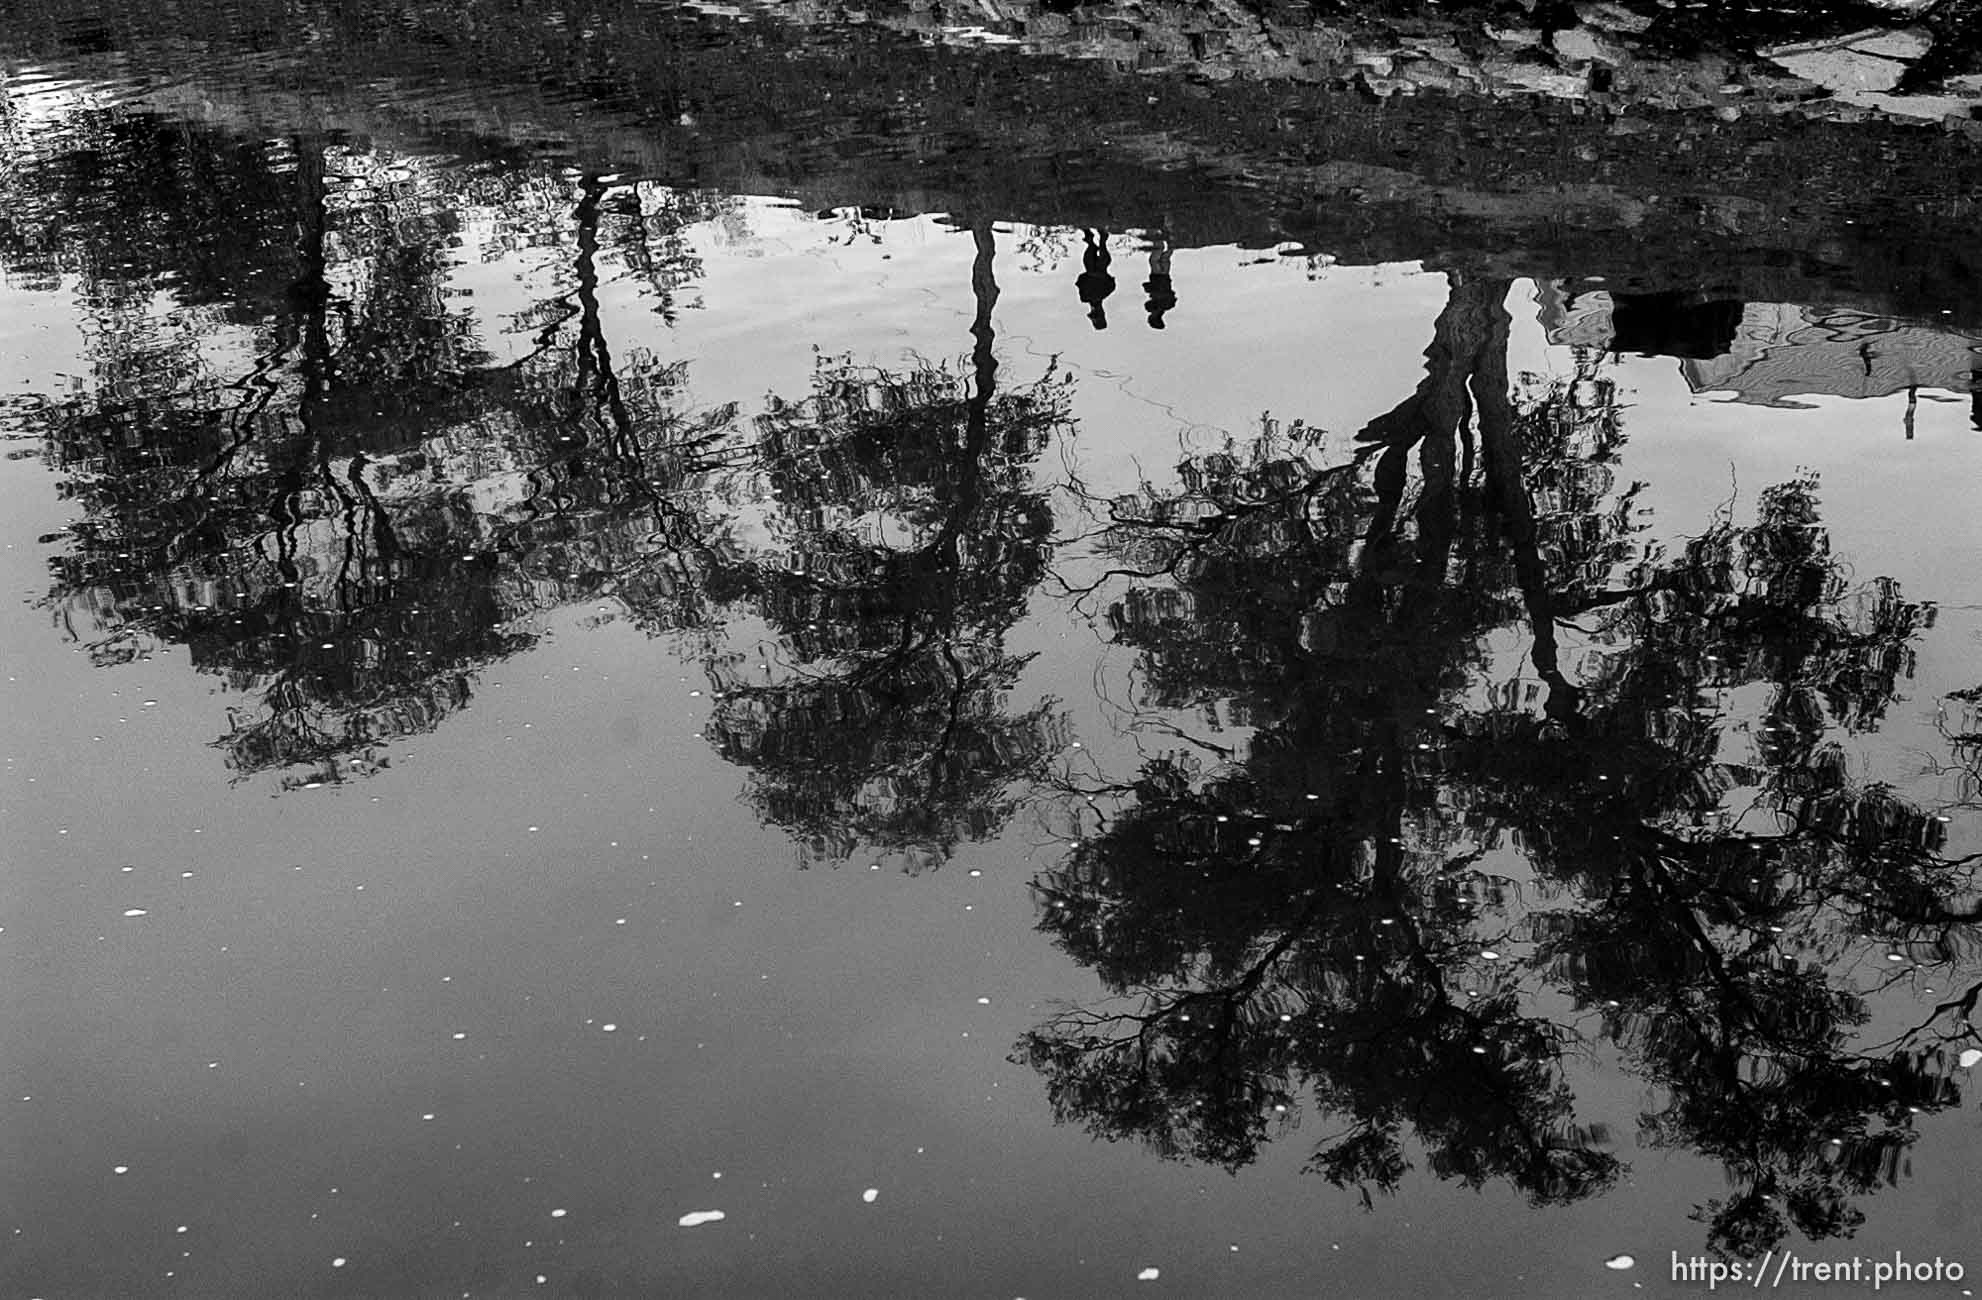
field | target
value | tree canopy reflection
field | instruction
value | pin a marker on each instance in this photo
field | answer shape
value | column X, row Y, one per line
column 303, row 455
column 278, row 469
column 1415, row 897
column 909, row 531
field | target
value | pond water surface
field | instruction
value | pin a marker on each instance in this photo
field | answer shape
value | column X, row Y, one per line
column 672, row 651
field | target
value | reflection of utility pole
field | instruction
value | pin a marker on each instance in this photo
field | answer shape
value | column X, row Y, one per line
column 310, row 291
column 977, row 417
column 594, row 357
column 309, row 294
column 984, row 296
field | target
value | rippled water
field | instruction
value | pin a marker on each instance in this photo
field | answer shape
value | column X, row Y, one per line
column 675, row 650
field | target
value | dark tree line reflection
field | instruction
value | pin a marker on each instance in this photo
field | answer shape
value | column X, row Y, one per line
column 1381, row 906
column 1413, row 900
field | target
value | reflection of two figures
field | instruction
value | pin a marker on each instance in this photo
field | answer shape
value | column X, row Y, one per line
column 1095, row 283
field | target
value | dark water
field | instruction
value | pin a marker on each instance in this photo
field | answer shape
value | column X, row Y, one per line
column 1036, row 652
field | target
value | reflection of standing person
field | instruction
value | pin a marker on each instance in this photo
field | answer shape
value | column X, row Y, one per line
column 1161, row 296
column 1095, row 284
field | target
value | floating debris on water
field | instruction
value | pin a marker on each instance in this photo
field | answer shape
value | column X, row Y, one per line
column 696, row 1218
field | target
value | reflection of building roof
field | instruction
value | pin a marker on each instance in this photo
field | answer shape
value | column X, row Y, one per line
column 1575, row 320
column 1784, row 350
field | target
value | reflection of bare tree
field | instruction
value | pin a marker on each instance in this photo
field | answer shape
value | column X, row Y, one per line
column 1325, row 914
column 908, row 537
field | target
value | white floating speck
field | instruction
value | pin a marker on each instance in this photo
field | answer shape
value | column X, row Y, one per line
column 338, row 1262
column 984, row 1002
column 135, row 911
column 1491, row 955
column 1620, row 1262
column 120, row 1169
column 697, row 1218
column 1971, row 1058
column 871, row 1195
column 1149, row 1275
column 557, row 1214
column 608, row 1028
